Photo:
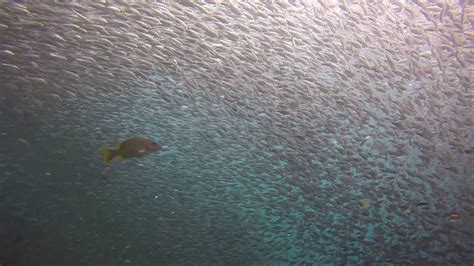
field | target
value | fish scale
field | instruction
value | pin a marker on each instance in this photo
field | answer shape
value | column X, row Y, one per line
column 299, row 132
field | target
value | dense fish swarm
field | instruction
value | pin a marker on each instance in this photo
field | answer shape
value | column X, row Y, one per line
column 299, row 131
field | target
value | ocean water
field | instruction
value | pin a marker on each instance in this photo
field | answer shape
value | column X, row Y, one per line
column 280, row 150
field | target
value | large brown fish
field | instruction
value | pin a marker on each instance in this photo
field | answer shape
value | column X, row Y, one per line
column 132, row 147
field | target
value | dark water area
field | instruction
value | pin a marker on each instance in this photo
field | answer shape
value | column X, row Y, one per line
column 63, row 211
column 166, row 208
column 293, row 133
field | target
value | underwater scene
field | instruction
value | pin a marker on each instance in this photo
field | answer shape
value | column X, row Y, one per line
column 270, row 132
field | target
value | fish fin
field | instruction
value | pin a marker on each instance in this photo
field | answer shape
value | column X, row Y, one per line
column 142, row 151
column 108, row 155
column 120, row 158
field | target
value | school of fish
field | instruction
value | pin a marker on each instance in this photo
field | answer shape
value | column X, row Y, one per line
column 345, row 128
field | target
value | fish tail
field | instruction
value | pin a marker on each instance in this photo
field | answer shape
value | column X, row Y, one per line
column 108, row 154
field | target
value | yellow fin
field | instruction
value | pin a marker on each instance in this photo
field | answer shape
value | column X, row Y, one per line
column 107, row 155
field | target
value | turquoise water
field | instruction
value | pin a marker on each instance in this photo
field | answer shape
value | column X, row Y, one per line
column 305, row 133
column 213, row 201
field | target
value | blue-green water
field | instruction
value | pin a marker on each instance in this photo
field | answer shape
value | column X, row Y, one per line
column 215, row 201
column 296, row 133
